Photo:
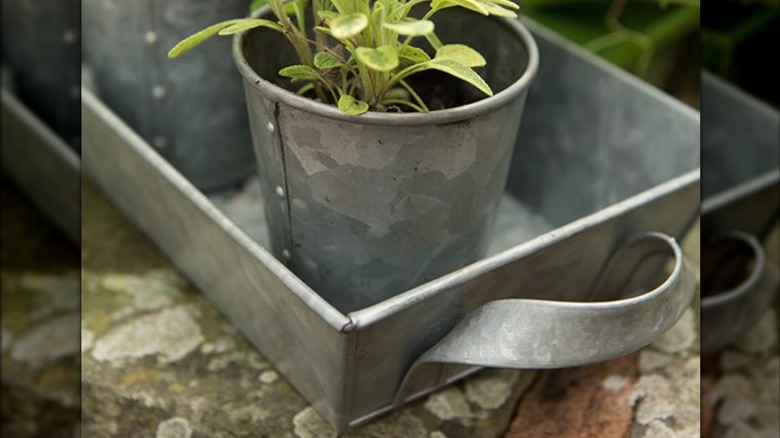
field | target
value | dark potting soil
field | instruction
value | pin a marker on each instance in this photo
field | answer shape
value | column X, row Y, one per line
column 437, row 89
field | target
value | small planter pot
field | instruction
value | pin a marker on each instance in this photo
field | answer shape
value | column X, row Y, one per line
column 41, row 47
column 364, row 207
column 190, row 109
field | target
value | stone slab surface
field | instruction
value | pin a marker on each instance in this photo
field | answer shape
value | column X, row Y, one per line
column 160, row 360
column 40, row 324
column 741, row 384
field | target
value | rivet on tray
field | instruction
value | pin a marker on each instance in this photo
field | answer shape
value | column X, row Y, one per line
column 286, row 254
column 279, row 191
column 270, row 127
column 158, row 91
column 160, row 142
column 69, row 37
column 150, row 37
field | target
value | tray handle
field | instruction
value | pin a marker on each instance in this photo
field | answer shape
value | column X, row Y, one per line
column 616, row 318
column 729, row 313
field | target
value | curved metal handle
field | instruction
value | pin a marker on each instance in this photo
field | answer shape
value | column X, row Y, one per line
column 727, row 314
column 617, row 318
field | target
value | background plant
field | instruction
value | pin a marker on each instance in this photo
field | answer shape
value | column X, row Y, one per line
column 359, row 54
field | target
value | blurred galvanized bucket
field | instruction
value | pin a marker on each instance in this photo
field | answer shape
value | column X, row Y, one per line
column 41, row 47
column 740, row 205
column 191, row 109
column 365, row 207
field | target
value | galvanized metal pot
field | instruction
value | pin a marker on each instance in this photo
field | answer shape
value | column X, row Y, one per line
column 191, row 108
column 364, row 207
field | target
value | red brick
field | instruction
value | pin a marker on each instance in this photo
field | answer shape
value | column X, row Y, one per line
column 576, row 402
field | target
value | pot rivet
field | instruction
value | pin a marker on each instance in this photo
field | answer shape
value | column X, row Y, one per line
column 150, row 37
column 158, row 91
column 286, row 254
column 271, row 127
column 69, row 37
column 280, row 191
column 160, row 142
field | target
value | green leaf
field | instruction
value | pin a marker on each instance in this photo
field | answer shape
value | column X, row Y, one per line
column 328, row 15
column 397, row 93
column 299, row 73
column 472, row 5
column 377, row 11
column 193, row 40
column 396, row 11
column 352, row 106
column 499, row 11
column 324, row 61
column 414, row 54
column 249, row 23
column 461, row 72
column 383, row 58
column 505, row 3
column 346, row 26
column 461, row 53
column 412, row 28
column 257, row 4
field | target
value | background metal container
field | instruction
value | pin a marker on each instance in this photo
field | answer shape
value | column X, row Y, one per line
column 190, row 109
column 741, row 203
column 620, row 159
column 363, row 208
column 46, row 169
column 42, row 49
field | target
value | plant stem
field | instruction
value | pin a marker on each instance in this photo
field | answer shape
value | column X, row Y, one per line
column 414, row 94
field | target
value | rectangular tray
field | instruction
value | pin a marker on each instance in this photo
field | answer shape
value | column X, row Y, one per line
column 618, row 156
column 741, row 152
column 46, row 169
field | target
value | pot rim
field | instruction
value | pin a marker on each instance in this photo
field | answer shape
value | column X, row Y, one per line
column 437, row 117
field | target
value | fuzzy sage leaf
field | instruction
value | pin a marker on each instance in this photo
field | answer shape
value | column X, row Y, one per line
column 462, row 54
column 461, row 72
column 324, row 61
column 193, row 40
column 249, row 23
column 384, row 58
column 346, row 26
column 414, row 54
column 352, row 106
column 411, row 28
column 298, row 73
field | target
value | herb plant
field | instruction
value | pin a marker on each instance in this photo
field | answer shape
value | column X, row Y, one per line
column 358, row 53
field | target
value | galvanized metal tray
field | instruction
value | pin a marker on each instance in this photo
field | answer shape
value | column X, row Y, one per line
column 572, row 277
column 43, row 165
column 740, row 204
